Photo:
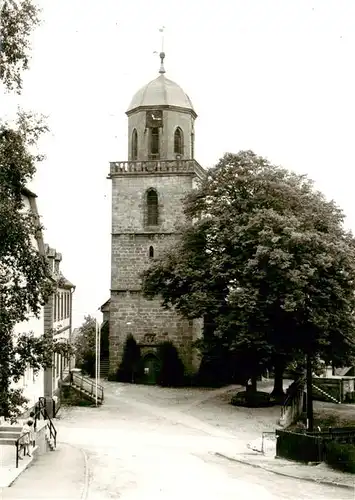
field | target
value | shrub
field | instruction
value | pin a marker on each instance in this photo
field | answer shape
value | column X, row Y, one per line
column 171, row 368
column 340, row 456
column 129, row 366
column 251, row 399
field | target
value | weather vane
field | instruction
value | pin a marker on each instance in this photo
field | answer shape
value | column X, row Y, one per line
column 161, row 30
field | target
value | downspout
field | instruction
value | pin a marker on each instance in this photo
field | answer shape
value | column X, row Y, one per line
column 72, row 290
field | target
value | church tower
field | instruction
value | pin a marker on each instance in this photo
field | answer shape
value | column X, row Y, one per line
column 147, row 193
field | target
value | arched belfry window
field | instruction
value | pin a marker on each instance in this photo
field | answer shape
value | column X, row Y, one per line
column 178, row 141
column 152, row 208
column 192, row 145
column 154, row 147
column 151, row 252
column 134, row 145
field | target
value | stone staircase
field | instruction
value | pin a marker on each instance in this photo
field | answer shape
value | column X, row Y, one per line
column 9, row 434
column 12, row 459
column 104, row 368
column 50, row 442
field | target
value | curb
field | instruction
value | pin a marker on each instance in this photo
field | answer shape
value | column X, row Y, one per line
column 293, row 476
column 85, row 488
column 22, row 469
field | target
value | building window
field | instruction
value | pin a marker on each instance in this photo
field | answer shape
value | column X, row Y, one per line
column 61, row 306
column 178, row 142
column 192, row 145
column 54, row 307
column 154, row 144
column 152, row 208
column 134, row 145
column 151, row 252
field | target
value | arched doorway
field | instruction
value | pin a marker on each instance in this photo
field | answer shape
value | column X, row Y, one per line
column 151, row 369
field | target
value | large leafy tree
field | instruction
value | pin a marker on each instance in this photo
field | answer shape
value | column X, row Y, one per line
column 18, row 18
column 25, row 279
column 85, row 346
column 266, row 262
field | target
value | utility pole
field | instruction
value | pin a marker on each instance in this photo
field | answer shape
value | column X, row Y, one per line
column 309, row 393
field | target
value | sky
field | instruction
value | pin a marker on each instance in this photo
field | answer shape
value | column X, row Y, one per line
column 273, row 76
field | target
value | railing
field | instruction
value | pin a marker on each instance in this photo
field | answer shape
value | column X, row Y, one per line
column 19, row 445
column 310, row 446
column 156, row 166
column 42, row 410
column 325, row 394
column 85, row 384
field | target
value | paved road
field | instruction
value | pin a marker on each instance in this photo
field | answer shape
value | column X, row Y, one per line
column 148, row 443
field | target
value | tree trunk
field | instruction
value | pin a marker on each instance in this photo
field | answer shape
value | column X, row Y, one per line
column 279, row 368
column 254, row 382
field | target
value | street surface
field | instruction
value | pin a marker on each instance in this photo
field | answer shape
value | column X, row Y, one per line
column 148, row 442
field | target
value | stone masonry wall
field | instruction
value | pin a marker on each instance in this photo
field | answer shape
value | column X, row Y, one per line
column 128, row 201
column 130, row 257
column 171, row 120
column 130, row 313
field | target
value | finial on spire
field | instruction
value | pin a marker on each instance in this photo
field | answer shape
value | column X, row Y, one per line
column 162, row 69
column 162, row 53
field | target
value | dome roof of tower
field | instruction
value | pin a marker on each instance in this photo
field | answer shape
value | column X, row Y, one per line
column 161, row 92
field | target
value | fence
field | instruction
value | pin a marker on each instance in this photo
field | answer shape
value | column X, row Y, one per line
column 310, row 446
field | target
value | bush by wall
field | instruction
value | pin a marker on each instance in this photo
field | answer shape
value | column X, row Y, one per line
column 130, row 364
column 172, row 368
column 252, row 399
column 340, row 456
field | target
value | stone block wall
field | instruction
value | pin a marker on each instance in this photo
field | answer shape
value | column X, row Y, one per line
column 128, row 201
column 130, row 313
column 172, row 118
column 130, row 257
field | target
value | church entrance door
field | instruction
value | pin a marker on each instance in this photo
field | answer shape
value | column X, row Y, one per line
column 151, row 369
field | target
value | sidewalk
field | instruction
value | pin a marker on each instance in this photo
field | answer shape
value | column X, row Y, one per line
column 321, row 473
column 60, row 475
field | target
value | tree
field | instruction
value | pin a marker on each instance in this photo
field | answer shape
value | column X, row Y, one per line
column 266, row 262
column 18, row 18
column 129, row 366
column 85, row 346
column 25, row 278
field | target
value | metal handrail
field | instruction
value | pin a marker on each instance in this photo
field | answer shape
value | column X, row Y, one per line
column 17, row 442
column 80, row 381
column 43, row 410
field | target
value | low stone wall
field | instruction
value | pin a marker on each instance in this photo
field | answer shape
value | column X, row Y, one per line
column 40, row 437
column 291, row 411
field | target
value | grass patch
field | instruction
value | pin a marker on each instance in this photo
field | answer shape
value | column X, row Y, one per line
column 251, row 399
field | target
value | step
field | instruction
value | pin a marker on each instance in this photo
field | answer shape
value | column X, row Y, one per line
column 8, row 441
column 89, row 393
column 8, row 434
column 12, row 428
